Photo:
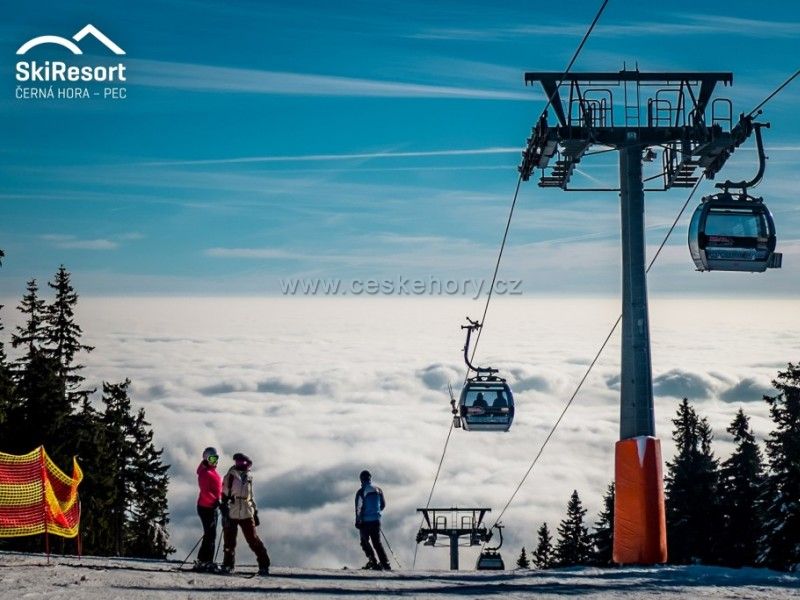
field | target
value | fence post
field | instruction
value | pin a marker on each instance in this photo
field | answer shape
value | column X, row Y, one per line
column 43, row 476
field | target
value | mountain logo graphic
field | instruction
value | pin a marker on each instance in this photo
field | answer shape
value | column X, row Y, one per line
column 69, row 44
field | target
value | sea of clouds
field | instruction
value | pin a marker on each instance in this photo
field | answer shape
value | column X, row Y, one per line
column 314, row 390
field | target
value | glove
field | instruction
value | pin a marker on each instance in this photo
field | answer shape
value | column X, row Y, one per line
column 224, row 510
column 358, row 524
column 256, row 519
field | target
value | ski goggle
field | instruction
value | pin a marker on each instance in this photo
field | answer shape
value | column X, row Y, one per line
column 213, row 459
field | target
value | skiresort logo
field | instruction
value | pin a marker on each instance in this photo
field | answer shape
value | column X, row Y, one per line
column 70, row 45
column 48, row 76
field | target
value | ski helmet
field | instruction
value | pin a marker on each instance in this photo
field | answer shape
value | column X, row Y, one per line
column 242, row 461
column 365, row 476
column 211, row 455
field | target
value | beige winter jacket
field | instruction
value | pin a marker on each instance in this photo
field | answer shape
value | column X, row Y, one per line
column 238, row 486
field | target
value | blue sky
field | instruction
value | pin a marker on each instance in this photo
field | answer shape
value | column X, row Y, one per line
column 262, row 141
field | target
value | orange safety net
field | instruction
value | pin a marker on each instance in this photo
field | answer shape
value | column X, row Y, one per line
column 640, row 530
column 38, row 497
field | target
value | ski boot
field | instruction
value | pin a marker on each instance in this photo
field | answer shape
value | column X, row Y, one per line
column 202, row 566
column 371, row 565
column 263, row 571
column 226, row 570
column 385, row 567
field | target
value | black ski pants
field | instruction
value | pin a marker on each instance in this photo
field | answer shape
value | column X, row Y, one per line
column 208, row 517
column 371, row 532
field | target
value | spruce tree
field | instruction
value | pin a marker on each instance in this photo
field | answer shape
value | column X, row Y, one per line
column 138, row 515
column 41, row 407
column 544, row 555
column 574, row 545
column 741, row 482
column 522, row 561
column 41, row 414
column 31, row 334
column 98, row 489
column 147, row 526
column 119, row 423
column 780, row 544
column 603, row 536
column 7, row 400
column 693, row 513
column 62, row 334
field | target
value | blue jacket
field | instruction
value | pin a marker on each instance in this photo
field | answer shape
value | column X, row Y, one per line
column 369, row 503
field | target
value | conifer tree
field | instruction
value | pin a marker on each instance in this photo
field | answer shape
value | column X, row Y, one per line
column 544, row 555
column 574, row 545
column 98, row 489
column 693, row 513
column 604, row 530
column 63, row 335
column 138, row 513
column 523, row 562
column 741, row 483
column 42, row 412
column 119, row 424
column 147, row 527
column 6, row 384
column 31, row 334
column 780, row 544
column 42, row 408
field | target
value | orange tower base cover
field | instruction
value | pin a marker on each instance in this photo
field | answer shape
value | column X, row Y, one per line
column 640, row 528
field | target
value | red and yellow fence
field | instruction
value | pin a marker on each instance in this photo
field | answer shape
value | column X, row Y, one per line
column 38, row 497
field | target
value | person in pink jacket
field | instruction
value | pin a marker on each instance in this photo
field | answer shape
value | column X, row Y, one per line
column 208, row 501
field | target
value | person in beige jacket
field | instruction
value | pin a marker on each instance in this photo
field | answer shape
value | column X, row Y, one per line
column 239, row 511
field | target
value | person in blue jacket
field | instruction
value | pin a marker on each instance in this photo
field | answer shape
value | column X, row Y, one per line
column 369, row 504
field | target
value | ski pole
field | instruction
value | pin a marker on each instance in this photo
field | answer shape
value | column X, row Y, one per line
column 219, row 544
column 180, row 568
column 389, row 546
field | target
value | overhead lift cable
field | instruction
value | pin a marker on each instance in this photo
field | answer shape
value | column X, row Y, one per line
column 775, row 92
column 594, row 360
column 502, row 247
column 616, row 323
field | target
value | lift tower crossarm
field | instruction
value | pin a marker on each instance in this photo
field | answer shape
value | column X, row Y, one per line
column 456, row 523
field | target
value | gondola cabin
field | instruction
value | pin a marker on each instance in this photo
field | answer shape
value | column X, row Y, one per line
column 730, row 234
column 486, row 404
column 490, row 560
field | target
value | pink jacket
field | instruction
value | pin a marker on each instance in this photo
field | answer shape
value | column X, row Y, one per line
column 210, row 485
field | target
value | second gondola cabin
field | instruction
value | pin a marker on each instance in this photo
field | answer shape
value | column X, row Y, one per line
column 486, row 404
column 730, row 233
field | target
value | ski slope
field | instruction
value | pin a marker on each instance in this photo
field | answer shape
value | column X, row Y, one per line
column 72, row 578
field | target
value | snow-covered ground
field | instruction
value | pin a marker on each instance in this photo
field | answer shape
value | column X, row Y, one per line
column 30, row 576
